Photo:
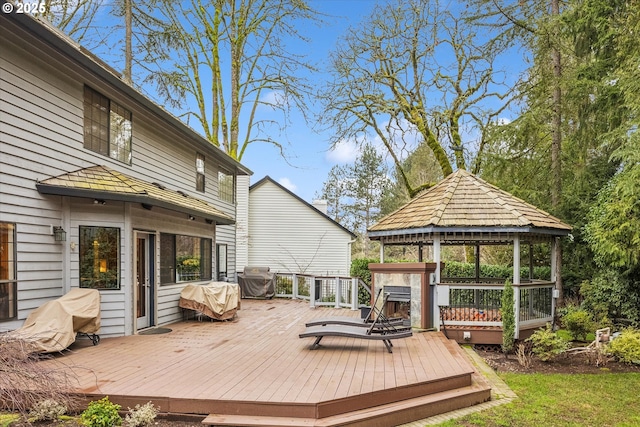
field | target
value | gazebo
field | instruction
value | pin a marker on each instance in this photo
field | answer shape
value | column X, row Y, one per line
column 466, row 210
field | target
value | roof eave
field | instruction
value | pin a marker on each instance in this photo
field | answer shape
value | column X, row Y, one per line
column 378, row 235
column 131, row 198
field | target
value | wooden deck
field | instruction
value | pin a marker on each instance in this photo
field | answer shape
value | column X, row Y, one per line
column 255, row 370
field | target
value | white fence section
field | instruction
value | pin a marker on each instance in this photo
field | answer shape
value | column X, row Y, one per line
column 334, row 291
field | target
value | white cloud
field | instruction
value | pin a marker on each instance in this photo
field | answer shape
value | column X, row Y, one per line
column 286, row 183
column 274, row 99
column 343, row 152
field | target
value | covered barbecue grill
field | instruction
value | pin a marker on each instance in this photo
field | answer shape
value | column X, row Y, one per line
column 257, row 282
column 53, row 326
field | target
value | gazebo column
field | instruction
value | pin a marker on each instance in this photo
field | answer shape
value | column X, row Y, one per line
column 436, row 256
column 556, row 261
column 530, row 261
column 477, row 262
column 438, row 288
column 516, row 281
column 381, row 252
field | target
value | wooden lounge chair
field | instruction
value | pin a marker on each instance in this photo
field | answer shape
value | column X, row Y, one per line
column 377, row 330
column 351, row 321
column 353, row 332
column 383, row 321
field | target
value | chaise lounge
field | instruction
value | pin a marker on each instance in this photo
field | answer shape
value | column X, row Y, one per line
column 377, row 330
column 380, row 317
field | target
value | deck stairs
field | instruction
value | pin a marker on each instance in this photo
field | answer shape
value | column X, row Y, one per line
column 391, row 408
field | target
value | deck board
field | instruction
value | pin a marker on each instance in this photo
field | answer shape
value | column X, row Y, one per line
column 257, row 358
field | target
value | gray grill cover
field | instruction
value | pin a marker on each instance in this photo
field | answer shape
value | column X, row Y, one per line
column 257, row 282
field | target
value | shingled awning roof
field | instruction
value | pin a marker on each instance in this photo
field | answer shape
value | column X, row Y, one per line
column 103, row 183
column 464, row 203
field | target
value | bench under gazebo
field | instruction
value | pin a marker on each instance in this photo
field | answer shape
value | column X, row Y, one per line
column 465, row 210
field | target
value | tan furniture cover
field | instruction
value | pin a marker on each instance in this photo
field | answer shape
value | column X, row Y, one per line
column 53, row 326
column 217, row 300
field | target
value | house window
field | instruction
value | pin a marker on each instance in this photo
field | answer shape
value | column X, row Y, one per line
column 99, row 257
column 225, row 187
column 199, row 172
column 107, row 127
column 8, row 283
column 221, row 252
column 184, row 258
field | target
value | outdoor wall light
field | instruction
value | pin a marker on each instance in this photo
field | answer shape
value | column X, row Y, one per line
column 59, row 234
column 192, row 218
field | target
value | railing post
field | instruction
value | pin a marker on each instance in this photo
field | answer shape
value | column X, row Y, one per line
column 354, row 293
column 338, row 292
column 516, row 302
column 312, row 292
column 294, row 285
column 553, row 306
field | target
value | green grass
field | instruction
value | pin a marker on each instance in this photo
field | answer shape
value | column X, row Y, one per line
column 558, row 400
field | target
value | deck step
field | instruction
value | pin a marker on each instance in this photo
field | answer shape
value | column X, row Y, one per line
column 386, row 415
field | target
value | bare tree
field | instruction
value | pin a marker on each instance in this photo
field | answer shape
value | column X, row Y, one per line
column 415, row 74
column 230, row 58
column 73, row 17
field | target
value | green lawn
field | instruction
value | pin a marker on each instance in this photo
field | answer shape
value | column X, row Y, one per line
column 547, row 400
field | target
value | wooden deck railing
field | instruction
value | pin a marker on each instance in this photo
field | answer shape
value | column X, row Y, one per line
column 335, row 291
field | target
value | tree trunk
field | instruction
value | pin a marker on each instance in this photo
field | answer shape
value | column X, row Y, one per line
column 128, row 50
column 556, row 143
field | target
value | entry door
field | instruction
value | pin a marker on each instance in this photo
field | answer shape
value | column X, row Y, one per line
column 144, row 295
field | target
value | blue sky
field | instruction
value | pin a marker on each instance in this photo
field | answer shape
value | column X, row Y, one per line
column 309, row 159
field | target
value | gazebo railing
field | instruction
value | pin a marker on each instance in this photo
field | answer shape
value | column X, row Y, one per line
column 473, row 304
column 535, row 303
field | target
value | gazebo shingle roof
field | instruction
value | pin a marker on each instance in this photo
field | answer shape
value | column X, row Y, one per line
column 464, row 201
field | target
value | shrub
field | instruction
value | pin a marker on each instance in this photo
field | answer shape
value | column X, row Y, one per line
column 47, row 410
column 141, row 416
column 466, row 269
column 579, row 324
column 101, row 413
column 613, row 295
column 508, row 318
column 360, row 269
column 626, row 347
column 547, row 344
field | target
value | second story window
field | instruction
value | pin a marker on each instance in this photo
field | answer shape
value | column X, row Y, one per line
column 107, row 126
column 200, row 172
column 225, row 187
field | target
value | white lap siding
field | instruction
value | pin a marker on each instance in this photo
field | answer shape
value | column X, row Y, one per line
column 288, row 235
